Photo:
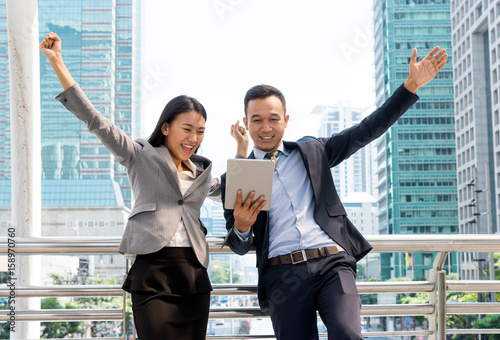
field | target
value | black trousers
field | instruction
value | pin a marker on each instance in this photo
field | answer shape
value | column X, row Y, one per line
column 297, row 292
column 170, row 295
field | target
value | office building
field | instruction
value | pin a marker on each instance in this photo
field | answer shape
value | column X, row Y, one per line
column 355, row 173
column 476, row 70
column 101, row 48
column 362, row 210
column 416, row 161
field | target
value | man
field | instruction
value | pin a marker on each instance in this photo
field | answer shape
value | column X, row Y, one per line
column 306, row 246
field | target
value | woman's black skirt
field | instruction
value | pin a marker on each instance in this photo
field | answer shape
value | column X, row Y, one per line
column 170, row 294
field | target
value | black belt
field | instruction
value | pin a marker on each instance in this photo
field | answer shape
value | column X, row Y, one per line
column 300, row 256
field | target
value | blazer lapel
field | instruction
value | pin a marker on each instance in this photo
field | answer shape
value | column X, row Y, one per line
column 205, row 169
column 170, row 171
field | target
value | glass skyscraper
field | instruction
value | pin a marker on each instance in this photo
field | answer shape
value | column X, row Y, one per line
column 101, row 47
column 416, row 165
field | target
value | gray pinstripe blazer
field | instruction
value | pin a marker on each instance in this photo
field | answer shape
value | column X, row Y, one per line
column 159, row 203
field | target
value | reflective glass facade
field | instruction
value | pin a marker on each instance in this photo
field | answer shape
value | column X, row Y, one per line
column 98, row 46
column 416, row 165
column 70, row 193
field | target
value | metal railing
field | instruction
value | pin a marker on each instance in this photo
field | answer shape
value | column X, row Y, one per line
column 437, row 285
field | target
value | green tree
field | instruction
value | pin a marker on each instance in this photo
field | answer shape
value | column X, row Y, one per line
column 58, row 329
column 489, row 321
column 85, row 302
column 492, row 321
column 457, row 321
column 218, row 272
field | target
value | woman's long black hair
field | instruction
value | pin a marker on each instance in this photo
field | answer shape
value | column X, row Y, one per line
column 174, row 108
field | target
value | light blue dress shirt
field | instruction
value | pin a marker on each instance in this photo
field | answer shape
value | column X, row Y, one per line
column 291, row 218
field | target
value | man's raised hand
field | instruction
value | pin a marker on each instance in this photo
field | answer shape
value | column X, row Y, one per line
column 426, row 69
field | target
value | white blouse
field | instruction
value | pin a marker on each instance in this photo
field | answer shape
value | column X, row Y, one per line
column 186, row 179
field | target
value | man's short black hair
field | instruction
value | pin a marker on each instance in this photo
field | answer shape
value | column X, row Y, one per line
column 262, row 92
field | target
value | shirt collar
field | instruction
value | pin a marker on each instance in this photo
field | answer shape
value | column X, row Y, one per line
column 259, row 154
column 194, row 169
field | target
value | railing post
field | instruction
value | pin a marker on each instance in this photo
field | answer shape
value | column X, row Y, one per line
column 433, row 302
column 439, row 320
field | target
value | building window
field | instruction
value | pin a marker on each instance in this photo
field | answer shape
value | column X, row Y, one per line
column 427, row 259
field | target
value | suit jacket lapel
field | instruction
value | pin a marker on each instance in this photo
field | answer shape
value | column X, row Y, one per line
column 265, row 242
column 309, row 158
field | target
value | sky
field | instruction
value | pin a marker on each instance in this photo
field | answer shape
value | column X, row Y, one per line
column 318, row 52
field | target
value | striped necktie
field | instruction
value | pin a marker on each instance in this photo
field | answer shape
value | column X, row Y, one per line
column 273, row 156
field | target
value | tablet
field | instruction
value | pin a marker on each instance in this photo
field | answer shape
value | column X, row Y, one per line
column 248, row 175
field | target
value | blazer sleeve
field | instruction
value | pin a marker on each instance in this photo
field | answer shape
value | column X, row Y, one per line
column 215, row 190
column 342, row 145
column 113, row 138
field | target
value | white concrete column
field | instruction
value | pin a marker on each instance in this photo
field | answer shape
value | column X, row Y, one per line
column 24, row 75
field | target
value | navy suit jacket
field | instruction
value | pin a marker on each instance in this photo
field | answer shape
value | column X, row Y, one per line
column 319, row 155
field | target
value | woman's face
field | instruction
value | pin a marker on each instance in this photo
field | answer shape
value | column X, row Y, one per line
column 183, row 135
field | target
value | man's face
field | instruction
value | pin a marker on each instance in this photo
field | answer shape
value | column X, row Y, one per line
column 266, row 122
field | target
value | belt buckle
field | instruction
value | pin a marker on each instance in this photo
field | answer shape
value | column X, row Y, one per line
column 304, row 256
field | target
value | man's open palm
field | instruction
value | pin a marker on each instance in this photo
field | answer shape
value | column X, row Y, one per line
column 426, row 69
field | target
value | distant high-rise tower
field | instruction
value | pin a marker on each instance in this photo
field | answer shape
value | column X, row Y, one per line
column 476, row 71
column 355, row 173
column 416, row 162
column 101, row 48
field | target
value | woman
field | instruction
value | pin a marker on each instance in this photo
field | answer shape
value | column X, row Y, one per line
column 168, row 281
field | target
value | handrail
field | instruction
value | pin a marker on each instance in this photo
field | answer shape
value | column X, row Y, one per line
column 473, row 286
column 52, row 315
column 473, row 308
column 238, row 289
column 380, row 243
column 63, row 291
